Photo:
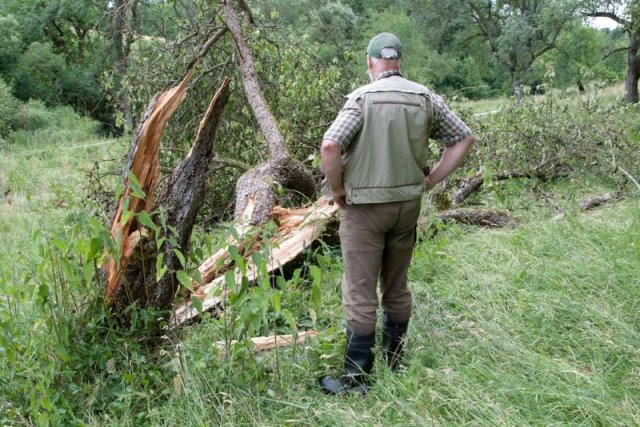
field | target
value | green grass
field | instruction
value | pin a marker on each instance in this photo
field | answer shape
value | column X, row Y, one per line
column 43, row 170
column 536, row 325
column 611, row 93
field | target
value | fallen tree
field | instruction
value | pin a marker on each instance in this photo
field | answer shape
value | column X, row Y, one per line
column 470, row 185
column 259, row 184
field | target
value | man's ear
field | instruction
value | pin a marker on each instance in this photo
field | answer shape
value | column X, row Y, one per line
column 369, row 62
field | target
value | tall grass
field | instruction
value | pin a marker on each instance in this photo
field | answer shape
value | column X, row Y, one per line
column 533, row 325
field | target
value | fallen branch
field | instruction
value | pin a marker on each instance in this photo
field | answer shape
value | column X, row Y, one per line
column 473, row 184
column 595, row 201
column 481, row 217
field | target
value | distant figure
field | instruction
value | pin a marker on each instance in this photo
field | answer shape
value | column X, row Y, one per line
column 374, row 157
column 518, row 92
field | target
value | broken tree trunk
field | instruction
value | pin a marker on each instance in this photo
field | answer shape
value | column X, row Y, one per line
column 260, row 183
column 134, row 278
column 297, row 230
column 144, row 164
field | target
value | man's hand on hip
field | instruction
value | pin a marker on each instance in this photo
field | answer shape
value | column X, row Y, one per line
column 340, row 197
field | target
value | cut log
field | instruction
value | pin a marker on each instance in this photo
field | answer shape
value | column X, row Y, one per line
column 481, row 217
column 297, row 230
column 261, row 344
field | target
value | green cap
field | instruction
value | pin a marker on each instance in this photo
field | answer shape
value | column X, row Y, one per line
column 385, row 45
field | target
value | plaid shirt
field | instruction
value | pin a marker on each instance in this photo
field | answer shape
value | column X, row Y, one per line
column 448, row 129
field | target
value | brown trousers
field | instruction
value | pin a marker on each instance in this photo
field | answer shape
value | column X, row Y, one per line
column 377, row 243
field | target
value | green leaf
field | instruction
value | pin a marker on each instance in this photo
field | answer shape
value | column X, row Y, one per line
column 316, row 295
column 145, row 219
column 290, row 320
column 180, row 257
column 43, row 291
column 160, row 267
column 61, row 352
column 118, row 192
column 94, row 248
column 136, row 189
column 196, row 303
column 277, row 297
column 184, row 279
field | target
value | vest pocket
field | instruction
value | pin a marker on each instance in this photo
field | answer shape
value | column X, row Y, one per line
column 411, row 104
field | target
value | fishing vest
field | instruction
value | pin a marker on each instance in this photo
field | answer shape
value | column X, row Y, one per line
column 385, row 161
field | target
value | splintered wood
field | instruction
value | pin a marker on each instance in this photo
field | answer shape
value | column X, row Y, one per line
column 297, row 230
column 145, row 165
column 261, row 344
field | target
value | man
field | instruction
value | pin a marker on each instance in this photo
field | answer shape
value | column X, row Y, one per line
column 374, row 156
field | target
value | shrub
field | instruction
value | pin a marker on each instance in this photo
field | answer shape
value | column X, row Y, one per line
column 37, row 74
column 8, row 107
column 10, row 43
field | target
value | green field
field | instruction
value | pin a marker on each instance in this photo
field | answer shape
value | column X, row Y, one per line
column 536, row 324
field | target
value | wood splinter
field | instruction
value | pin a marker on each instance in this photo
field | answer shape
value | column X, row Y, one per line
column 261, row 344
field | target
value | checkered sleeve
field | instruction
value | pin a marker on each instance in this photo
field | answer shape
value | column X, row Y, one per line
column 448, row 129
column 346, row 125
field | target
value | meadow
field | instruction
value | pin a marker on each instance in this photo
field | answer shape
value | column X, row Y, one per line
column 535, row 324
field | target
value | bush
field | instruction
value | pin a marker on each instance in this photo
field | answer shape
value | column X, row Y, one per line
column 10, row 43
column 8, row 107
column 37, row 74
column 34, row 123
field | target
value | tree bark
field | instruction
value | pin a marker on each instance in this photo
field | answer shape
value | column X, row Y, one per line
column 633, row 71
column 260, row 183
column 595, row 201
column 471, row 185
column 120, row 48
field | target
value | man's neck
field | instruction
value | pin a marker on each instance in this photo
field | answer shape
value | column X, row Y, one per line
column 375, row 75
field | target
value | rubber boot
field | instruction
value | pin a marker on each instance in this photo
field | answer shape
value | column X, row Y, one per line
column 358, row 363
column 393, row 338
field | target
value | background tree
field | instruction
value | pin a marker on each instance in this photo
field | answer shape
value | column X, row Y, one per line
column 516, row 33
column 627, row 14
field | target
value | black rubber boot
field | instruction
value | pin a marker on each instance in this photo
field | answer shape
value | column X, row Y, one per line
column 393, row 338
column 358, row 363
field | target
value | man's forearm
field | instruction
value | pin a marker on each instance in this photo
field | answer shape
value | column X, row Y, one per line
column 451, row 158
column 332, row 163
